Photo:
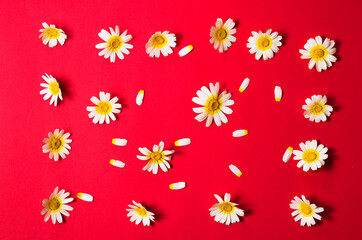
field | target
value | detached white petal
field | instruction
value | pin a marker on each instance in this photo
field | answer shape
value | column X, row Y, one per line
column 186, row 50
column 140, row 96
column 288, row 154
column 235, row 170
column 177, row 186
column 119, row 141
column 240, row 133
column 85, row 197
column 244, row 84
column 183, row 142
column 278, row 93
column 117, row 163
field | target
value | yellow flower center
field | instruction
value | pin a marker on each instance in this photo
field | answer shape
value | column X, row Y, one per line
column 158, row 41
column 52, row 33
column 156, row 157
column 305, row 209
column 213, row 105
column 54, row 88
column 221, row 34
column 114, row 43
column 226, row 208
column 141, row 211
column 264, row 43
column 56, row 143
column 317, row 108
column 103, row 107
column 310, row 155
column 318, row 53
column 54, row 204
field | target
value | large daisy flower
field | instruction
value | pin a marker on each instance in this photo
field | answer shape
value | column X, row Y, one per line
column 57, row 144
column 161, row 42
column 312, row 155
column 157, row 157
column 139, row 214
column 56, row 205
column 104, row 109
column 316, row 108
column 305, row 211
column 264, row 44
column 51, row 34
column 222, row 34
column 214, row 105
column 320, row 53
column 115, row 44
column 51, row 89
column 225, row 211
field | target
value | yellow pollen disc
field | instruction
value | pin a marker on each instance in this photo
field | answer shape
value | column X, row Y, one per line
column 56, row 143
column 213, row 105
column 52, row 33
column 317, row 108
column 141, row 211
column 114, row 43
column 156, row 157
column 310, row 156
column 159, row 41
column 264, row 43
column 221, row 34
column 103, row 108
column 305, row 209
column 54, row 88
column 318, row 53
column 226, row 208
column 54, row 204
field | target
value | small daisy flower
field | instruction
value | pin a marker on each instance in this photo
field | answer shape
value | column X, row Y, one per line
column 264, row 44
column 57, row 144
column 225, row 211
column 51, row 89
column 222, row 34
column 56, row 206
column 214, row 105
column 104, row 109
column 51, row 34
column 316, row 108
column 305, row 211
column 139, row 214
column 161, row 43
column 157, row 158
column 320, row 53
column 115, row 44
column 312, row 155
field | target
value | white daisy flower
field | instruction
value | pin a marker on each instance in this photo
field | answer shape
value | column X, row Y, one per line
column 157, row 157
column 264, row 44
column 305, row 211
column 139, row 214
column 316, row 108
column 225, row 211
column 320, row 53
column 115, row 44
column 222, row 34
column 57, row 206
column 57, row 144
column 161, row 43
column 213, row 105
column 104, row 109
column 51, row 34
column 51, row 89
column 312, row 155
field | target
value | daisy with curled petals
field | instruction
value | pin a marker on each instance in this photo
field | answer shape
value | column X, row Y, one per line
column 312, row 155
column 264, row 44
column 115, row 44
column 104, row 109
column 214, row 105
column 222, row 34
column 56, row 206
column 161, row 43
column 316, row 108
column 225, row 211
column 320, row 53
column 51, row 34
column 157, row 158
column 305, row 211
column 51, row 89
column 57, row 144
column 138, row 214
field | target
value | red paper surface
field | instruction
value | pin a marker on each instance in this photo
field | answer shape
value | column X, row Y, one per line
column 267, row 185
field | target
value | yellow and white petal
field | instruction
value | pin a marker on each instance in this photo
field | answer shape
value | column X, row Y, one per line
column 288, row 154
column 117, row 163
column 240, row 133
column 85, row 197
column 177, row 186
column 278, row 93
column 183, row 142
column 235, row 170
column 244, row 84
column 186, row 50
column 119, row 141
column 139, row 98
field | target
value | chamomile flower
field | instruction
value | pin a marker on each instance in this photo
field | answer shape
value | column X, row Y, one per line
column 51, row 89
column 157, row 158
column 225, row 211
column 320, row 53
column 104, row 109
column 161, row 42
column 57, row 144
column 305, row 211
column 312, row 155
column 51, row 35
column 222, row 34
column 264, row 44
column 316, row 108
column 214, row 105
column 138, row 214
column 56, row 206
column 115, row 44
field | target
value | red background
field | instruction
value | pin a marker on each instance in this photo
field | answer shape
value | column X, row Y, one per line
column 267, row 185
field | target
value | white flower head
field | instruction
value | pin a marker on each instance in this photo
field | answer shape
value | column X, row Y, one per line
column 264, row 44
column 105, row 108
column 51, row 89
column 305, row 211
column 225, row 211
column 161, row 42
column 138, row 214
column 52, row 35
column 312, row 155
column 57, row 144
column 222, row 34
column 316, row 108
